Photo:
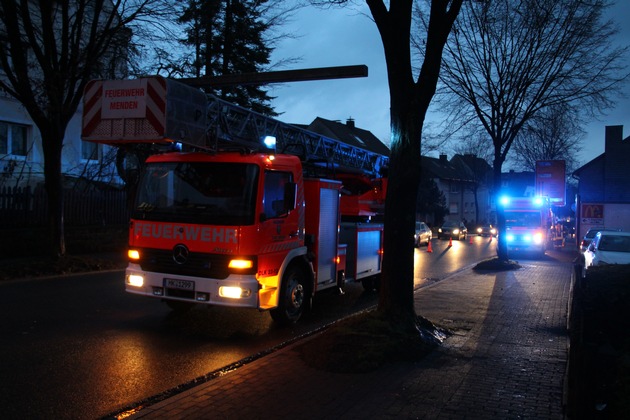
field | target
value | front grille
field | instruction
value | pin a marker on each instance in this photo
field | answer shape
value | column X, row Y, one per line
column 186, row 294
column 198, row 264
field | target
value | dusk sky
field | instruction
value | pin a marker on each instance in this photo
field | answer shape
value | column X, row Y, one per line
column 339, row 37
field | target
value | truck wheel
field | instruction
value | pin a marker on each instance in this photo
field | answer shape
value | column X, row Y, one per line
column 178, row 306
column 293, row 297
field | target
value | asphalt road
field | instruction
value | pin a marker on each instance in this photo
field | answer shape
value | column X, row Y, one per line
column 79, row 347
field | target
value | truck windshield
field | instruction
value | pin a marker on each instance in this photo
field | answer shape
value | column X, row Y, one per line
column 198, row 192
column 528, row 219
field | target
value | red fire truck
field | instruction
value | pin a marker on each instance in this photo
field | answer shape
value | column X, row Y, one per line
column 249, row 212
column 528, row 222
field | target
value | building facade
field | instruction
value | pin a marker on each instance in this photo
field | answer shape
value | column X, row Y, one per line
column 603, row 192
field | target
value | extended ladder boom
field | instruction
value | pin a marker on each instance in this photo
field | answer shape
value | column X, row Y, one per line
column 159, row 110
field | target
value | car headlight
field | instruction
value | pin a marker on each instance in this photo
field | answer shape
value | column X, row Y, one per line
column 455, row 231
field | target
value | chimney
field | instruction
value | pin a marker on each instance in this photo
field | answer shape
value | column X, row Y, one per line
column 350, row 122
column 443, row 158
column 614, row 138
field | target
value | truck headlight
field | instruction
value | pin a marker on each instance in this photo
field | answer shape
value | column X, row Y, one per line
column 538, row 238
column 135, row 280
column 234, row 292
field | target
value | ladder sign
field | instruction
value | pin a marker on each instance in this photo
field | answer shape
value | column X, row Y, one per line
column 109, row 100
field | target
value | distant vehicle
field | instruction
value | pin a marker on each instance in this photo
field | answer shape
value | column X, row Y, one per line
column 486, row 230
column 455, row 230
column 607, row 247
column 423, row 234
column 528, row 223
column 590, row 234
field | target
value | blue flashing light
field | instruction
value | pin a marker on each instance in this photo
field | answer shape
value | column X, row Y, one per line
column 538, row 201
column 504, row 200
column 269, row 142
column 509, row 237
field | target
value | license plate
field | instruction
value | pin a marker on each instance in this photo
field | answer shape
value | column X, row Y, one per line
column 179, row 284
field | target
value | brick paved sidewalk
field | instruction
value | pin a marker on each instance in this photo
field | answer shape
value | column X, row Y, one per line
column 506, row 359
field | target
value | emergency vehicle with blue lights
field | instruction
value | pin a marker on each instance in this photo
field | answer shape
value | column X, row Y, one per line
column 528, row 223
column 250, row 213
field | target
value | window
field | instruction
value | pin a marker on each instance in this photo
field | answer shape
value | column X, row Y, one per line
column 198, row 192
column 274, row 193
column 12, row 139
column 89, row 150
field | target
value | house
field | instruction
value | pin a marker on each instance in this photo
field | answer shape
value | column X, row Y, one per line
column 22, row 156
column 603, row 192
column 457, row 182
column 21, row 151
column 348, row 133
column 481, row 173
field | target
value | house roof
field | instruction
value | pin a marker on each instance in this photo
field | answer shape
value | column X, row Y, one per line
column 443, row 169
column 348, row 133
column 588, row 165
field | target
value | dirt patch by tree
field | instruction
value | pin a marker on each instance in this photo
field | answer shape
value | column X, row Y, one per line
column 365, row 342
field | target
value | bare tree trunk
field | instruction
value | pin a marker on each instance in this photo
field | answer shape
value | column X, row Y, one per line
column 52, row 142
column 396, row 294
column 409, row 102
column 502, row 250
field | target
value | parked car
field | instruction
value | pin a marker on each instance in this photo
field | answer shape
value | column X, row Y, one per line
column 455, row 230
column 607, row 247
column 423, row 234
column 486, row 230
column 590, row 234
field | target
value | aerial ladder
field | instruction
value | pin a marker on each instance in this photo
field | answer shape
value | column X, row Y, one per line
column 222, row 216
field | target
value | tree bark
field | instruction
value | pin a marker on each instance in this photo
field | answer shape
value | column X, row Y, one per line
column 409, row 102
column 52, row 142
column 396, row 293
column 502, row 249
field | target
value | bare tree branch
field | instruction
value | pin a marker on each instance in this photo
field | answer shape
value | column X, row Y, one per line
column 49, row 50
column 509, row 60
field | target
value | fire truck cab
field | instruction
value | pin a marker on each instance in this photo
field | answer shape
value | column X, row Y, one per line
column 528, row 223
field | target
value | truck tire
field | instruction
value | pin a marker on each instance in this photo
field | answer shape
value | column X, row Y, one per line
column 293, row 299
